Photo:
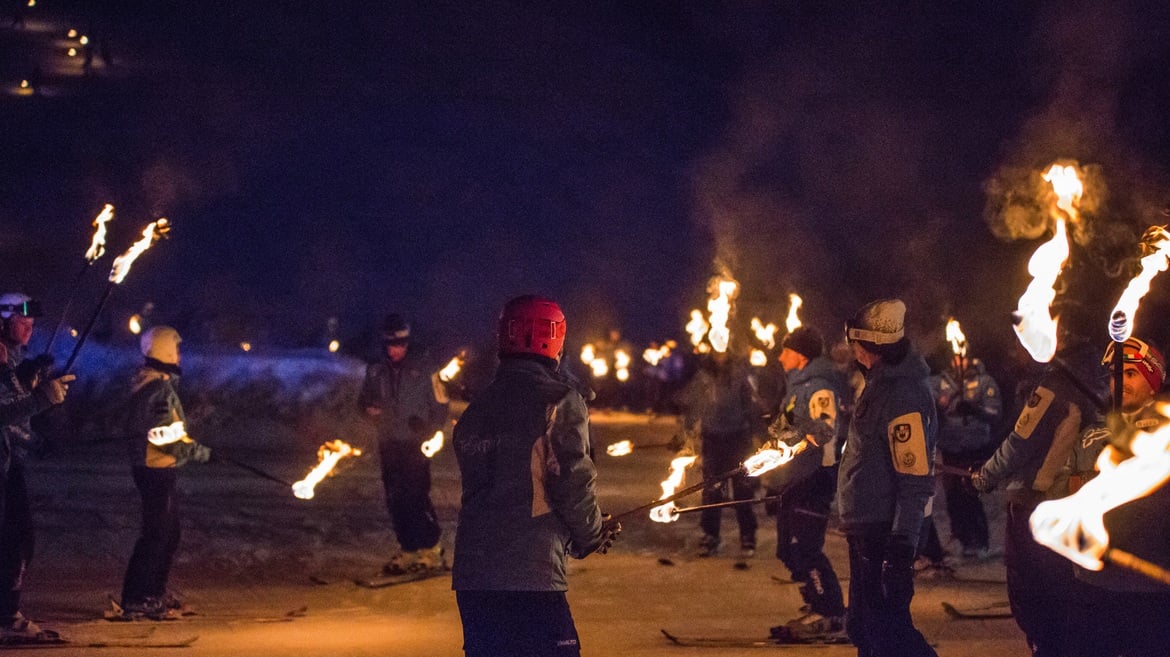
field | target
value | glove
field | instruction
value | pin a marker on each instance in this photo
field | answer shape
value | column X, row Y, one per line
column 200, row 453
column 32, row 370
column 981, row 483
column 610, row 529
column 416, row 425
column 54, row 390
column 898, row 571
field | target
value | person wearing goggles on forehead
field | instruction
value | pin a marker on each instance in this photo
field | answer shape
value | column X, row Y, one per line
column 885, row 482
column 1103, row 616
column 24, row 393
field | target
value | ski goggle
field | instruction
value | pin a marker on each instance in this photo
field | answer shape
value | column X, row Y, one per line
column 853, row 333
column 30, row 308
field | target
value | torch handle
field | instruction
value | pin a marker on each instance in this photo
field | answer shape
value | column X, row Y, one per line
column 217, row 456
column 1118, row 375
column 682, row 493
column 952, row 470
column 89, row 326
column 1085, row 390
column 68, row 304
column 1138, row 565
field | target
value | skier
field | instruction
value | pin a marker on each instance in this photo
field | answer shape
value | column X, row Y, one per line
column 885, row 481
column 1033, row 464
column 24, row 393
column 719, row 404
column 155, row 429
column 811, row 412
column 400, row 396
column 528, row 494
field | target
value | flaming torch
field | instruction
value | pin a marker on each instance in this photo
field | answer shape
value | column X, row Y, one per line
column 451, row 370
column 1074, row 526
column 678, row 467
column 328, row 455
column 767, row 337
column 793, row 321
column 724, row 291
column 620, row 448
column 697, row 328
column 1155, row 247
column 153, row 232
column 97, row 248
column 958, row 347
column 1034, row 324
column 653, row 356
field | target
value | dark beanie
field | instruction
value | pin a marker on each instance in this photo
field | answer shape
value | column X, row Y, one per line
column 806, row 341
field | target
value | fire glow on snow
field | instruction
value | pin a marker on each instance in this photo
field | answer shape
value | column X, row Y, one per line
column 328, row 455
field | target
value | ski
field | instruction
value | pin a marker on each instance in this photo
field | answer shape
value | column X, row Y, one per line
column 116, row 614
column 982, row 613
column 383, row 581
column 737, row 642
column 100, row 643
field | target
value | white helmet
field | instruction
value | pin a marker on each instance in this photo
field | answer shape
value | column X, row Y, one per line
column 162, row 344
column 18, row 303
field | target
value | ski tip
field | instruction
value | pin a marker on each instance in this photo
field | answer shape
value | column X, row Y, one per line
column 950, row 610
column 672, row 638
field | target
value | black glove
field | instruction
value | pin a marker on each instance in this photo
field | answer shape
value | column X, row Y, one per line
column 200, row 453
column 981, row 483
column 610, row 529
column 898, row 571
column 33, row 369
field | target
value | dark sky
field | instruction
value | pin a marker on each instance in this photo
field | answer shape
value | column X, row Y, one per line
column 354, row 158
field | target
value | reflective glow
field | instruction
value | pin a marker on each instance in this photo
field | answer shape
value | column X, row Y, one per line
column 153, row 232
column 793, row 320
column 1156, row 246
column 135, row 324
column 620, row 448
column 678, row 466
column 327, row 456
column 433, row 445
column 1074, row 526
column 956, row 338
column 97, row 245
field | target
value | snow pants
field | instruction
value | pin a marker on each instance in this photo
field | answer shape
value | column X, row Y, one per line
column 406, row 478
column 1040, row 584
column 801, row 522
column 150, row 564
column 722, row 452
column 16, row 537
column 964, row 508
column 517, row 624
column 878, row 620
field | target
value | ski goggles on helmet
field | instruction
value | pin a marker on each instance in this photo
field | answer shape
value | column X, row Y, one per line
column 30, row 308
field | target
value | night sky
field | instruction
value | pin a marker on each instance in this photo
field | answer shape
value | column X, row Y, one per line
column 350, row 159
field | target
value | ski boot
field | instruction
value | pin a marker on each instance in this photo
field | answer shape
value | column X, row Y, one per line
column 811, row 628
column 154, row 609
column 747, row 549
column 400, row 564
column 173, row 601
column 709, row 546
column 429, row 560
column 17, row 630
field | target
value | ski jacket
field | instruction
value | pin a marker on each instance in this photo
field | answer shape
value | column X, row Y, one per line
column 408, row 398
column 719, row 400
column 18, row 404
column 886, row 473
column 154, row 424
column 967, row 411
column 528, row 483
column 1034, row 460
column 813, row 406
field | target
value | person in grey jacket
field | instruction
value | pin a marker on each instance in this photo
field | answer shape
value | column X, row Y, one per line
column 529, row 498
column 401, row 397
column 885, row 480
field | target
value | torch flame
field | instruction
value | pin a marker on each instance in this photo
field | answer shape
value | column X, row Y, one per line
column 653, row 356
column 620, row 448
column 793, row 321
column 97, row 246
column 135, row 324
column 621, row 365
column 1068, row 187
column 451, row 369
column 956, row 338
column 758, row 358
column 153, row 232
column 1074, row 526
column 765, row 334
column 697, row 328
column 772, row 456
column 328, row 455
column 1156, row 243
column 678, row 466
column 719, row 310
column 432, row 446
column 1035, row 326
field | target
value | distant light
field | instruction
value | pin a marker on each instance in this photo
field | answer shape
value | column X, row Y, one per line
column 135, row 324
column 83, row 40
column 72, row 52
column 72, row 34
column 246, row 346
column 73, row 332
column 334, row 345
column 32, row 3
column 24, row 84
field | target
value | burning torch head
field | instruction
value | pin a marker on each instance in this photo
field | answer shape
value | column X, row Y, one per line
column 17, row 311
column 879, row 328
column 532, row 325
column 1145, row 360
column 162, row 344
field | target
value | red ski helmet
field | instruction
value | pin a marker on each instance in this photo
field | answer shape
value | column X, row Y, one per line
column 532, row 325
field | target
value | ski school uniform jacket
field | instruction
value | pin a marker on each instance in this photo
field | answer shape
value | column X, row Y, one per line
column 964, row 432
column 1034, row 460
column 154, row 423
column 411, row 410
column 886, row 473
column 811, row 406
column 528, row 483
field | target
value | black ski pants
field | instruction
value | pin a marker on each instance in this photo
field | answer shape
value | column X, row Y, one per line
column 964, row 508
column 150, row 564
column 1040, row 583
column 517, row 624
column 722, row 452
column 801, row 523
column 406, row 478
column 878, row 620
column 16, row 537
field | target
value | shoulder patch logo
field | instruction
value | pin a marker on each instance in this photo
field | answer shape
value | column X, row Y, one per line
column 1031, row 416
column 907, row 441
column 908, row 460
column 902, row 433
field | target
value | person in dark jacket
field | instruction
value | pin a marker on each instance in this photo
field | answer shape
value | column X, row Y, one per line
column 1032, row 463
column 24, row 393
column 404, row 399
column 885, row 480
column 812, row 413
column 158, row 445
column 529, row 497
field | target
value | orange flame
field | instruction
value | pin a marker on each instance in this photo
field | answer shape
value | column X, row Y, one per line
column 97, row 246
column 1156, row 243
column 1074, row 526
column 620, row 448
column 765, row 334
column 678, row 466
column 654, row 356
column 697, row 328
column 956, row 338
column 772, row 456
column 432, row 446
column 758, row 358
column 328, row 455
column 792, row 322
column 621, row 365
column 723, row 291
column 153, row 232
column 451, row 369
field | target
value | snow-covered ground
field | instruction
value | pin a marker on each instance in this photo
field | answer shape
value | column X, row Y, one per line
column 251, row 553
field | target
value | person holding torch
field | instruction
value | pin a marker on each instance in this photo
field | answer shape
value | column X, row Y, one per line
column 529, row 498
column 885, row 481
